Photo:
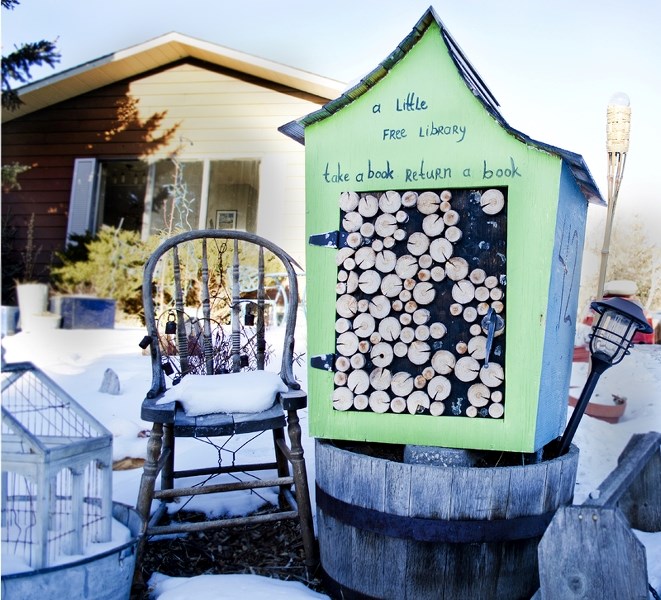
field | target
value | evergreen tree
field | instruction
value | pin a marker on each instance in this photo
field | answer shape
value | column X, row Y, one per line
column 16, row 65
column 16, row 68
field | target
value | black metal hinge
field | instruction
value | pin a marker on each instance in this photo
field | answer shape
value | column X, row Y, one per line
column 325, row 362
column 330, row 239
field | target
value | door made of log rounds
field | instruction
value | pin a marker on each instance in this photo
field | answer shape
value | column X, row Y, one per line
column 420, row 307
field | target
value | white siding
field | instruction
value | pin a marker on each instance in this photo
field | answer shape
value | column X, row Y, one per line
column 221, row 117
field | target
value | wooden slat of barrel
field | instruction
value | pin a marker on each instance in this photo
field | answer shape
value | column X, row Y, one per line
column 395, row 551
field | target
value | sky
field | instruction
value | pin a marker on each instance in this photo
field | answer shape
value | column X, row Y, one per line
column 553, row 66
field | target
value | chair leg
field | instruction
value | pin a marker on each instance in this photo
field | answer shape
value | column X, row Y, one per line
column 150, row 472
column 146, row 493
column 167, row 477
column 282, row 462
column 302, row 491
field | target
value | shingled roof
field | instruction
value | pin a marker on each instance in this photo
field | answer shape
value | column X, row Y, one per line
column 575, row 162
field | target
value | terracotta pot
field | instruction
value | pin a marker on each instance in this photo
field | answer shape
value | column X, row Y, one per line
column 610, row 413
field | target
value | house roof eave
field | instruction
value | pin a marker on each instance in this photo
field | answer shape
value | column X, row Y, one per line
column 156, row 53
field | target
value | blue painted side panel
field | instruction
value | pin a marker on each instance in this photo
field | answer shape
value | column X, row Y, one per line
column 562, row 310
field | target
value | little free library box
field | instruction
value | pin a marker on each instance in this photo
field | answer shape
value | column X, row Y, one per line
column 443, row 261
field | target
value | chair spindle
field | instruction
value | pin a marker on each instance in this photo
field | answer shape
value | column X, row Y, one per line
column 236, row 311
column 261, row 340
column 182, row 336
column 206, row 312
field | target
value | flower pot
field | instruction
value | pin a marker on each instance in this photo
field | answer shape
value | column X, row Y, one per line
column 105, row 575
column 32, row 300
column 84, row 312
column 9, row 320
column 44, row 321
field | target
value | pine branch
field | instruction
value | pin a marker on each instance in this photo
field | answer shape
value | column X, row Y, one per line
column 16, row 67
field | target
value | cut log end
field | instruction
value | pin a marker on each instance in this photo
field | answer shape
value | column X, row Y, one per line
column 349, row 201
column 417, row 402
column 467, row 369
column 478, row 394
column 492, row 202
column 496, row 411
column 436, row 409
column 342, row 398
column 443, row 362
column 428, row 202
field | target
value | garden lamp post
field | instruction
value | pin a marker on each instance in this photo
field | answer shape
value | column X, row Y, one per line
column 618, row 321
column 618, row 125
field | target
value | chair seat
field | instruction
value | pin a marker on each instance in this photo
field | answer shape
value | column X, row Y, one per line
column 218, row 424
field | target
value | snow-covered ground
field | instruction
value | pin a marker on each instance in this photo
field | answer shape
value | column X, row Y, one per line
column 77, row 359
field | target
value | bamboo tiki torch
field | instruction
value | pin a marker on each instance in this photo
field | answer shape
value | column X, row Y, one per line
column 618, row 125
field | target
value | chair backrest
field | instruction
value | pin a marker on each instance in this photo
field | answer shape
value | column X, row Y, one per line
column 193, row 299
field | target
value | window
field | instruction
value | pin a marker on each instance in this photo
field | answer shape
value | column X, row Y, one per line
column 177, row 195
column 167, row 195
column 122, row 194
column 234, row 186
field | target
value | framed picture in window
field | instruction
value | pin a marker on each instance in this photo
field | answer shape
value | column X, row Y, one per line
column 226, row 219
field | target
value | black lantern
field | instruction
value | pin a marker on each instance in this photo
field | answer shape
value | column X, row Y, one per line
column 171, row 324
column 618, row 321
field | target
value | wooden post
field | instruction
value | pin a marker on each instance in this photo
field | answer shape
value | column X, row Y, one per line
column 641, row 502
column 77, row 513
column 590, row 551
column 105, row 481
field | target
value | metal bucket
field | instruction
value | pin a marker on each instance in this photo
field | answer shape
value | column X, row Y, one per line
column 105, row 576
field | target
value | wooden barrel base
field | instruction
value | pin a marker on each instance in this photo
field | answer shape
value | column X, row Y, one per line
column 388, row 529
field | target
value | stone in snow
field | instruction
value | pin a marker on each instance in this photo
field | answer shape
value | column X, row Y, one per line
column 110, row 383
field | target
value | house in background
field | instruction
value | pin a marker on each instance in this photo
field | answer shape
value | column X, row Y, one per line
column 172, row 133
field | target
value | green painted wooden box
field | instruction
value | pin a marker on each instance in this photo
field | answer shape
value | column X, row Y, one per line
column 438, row 234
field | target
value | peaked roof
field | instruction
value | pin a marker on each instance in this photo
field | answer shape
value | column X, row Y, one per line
column 156, row 53
column 576, row 163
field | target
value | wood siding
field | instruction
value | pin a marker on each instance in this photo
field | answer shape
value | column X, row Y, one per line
column 201, row 111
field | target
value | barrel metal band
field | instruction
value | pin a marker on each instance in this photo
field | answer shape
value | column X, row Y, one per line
column 459, row 531
column 338, row 590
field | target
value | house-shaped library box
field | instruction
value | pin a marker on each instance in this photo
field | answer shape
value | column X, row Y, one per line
column 443, row 259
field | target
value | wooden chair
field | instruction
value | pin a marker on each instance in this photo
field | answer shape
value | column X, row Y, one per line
column 192, row 311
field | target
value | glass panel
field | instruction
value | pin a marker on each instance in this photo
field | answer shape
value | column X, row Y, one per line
column 177, row 193
column 612, row 336
column 233, row 194
column 122, row 194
